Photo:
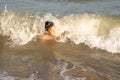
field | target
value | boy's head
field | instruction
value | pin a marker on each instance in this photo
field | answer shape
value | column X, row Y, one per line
column 48, row 24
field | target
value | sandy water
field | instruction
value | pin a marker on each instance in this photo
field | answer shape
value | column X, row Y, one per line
column 89, row 49
column 57, row 61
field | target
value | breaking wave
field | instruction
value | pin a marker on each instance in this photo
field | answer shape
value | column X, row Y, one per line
column 95, row 30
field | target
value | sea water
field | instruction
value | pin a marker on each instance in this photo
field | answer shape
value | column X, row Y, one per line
column 87, row 47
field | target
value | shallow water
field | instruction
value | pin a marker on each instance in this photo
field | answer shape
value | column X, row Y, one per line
column 88, row 50
column 57, row 61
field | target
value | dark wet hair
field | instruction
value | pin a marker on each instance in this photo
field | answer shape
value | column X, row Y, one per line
column 48, row 24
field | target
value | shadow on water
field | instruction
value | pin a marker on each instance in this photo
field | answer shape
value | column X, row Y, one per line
column 2, row 42
column 34, row 58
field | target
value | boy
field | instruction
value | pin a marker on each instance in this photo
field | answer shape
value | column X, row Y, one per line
column 50, row 28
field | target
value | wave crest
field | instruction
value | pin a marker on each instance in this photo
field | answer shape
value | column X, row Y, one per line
column 95, row 30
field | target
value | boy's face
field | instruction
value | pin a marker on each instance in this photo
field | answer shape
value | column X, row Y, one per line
column 51, row 30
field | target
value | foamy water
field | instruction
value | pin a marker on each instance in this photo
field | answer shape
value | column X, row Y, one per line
column 88, row 32
column 94, row 30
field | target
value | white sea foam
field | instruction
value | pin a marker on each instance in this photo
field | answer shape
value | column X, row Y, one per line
column 5, row 76
column 94, row 30
column 21, row 28
column 63, row 66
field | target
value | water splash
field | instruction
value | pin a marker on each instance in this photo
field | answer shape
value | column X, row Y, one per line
column 94, row 30
column 6, row 8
